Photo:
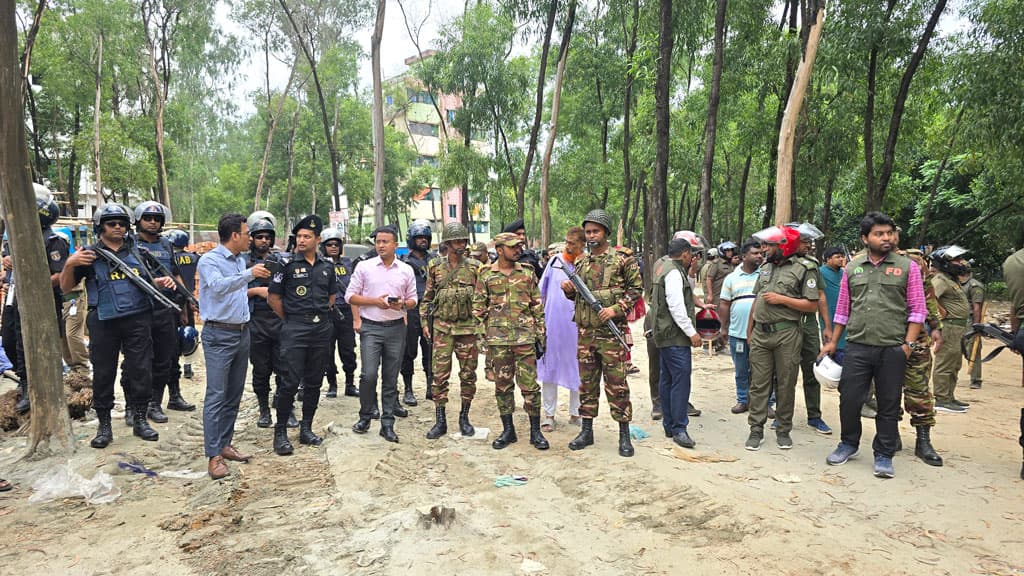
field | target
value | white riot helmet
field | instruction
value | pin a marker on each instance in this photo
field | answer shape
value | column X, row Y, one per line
column 827, row 372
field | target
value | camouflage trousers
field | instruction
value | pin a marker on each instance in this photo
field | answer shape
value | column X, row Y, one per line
column 464, row 347
column 515, row 365
column 918, row 400
column 599, row 353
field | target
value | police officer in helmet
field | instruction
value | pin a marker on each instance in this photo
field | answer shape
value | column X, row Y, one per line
column 332, row 244
column 187, row 263
column 418, row 240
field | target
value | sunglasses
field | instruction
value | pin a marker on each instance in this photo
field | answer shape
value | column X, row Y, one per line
column 261, row 237
column 152, row 218
column 115, row 224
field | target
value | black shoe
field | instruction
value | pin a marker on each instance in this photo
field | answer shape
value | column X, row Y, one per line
column 332, row 390
column 440, row 427
column 129, row 417
column 155, row 414
column 176, row 402
column 375, row 413
column 683, row 439
column 430, row 391
column 282, row 447
column 409, row 398
column 387, row 432
column 292, row 422
column 923, row 449
column 625, row 445
column 141, row 427
column 23, row 404
column 656, row 413
column 187, row 371
column 104, row 433
column 264, row 421
column 350, row 388
column 537, row 439
column 465, row 427
column 691, row 411
column 585, row 437
column 508, row 433
column 400, row 412
column 306, row 435
column 362, row 426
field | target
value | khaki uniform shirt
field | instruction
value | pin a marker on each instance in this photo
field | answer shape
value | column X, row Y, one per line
column 789, row 278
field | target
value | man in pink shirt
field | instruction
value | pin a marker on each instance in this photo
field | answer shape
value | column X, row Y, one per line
column 881, row 308
column 383, row 288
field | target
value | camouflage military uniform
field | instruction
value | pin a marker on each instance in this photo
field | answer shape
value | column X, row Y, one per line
column 448, row 302
column 510, row 311
column 615, row 281
column 918, row 400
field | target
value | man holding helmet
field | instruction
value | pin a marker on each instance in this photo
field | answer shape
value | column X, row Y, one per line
column 331, row 244
column 949, row 264
column 785, row 292
column 418, row 240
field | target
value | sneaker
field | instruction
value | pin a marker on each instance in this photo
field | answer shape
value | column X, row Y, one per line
column 961, row 403
column 975, row 385
column 950, row 407
column 783, row 441
column 841, row 454
column 754, row 441
column 819, row 425
column 775, row 424
column 868, row 412
column 883, row 467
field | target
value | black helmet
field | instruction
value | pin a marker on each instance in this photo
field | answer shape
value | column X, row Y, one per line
column 599, row 216
column 263, row 226
column 943, row 257
column 151, row 208
column 418, row 228
column 48, row 209
column 111, row 211
column 177, row 238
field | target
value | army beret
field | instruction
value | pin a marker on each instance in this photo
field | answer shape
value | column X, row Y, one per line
column 517, row 225
column 312, row 223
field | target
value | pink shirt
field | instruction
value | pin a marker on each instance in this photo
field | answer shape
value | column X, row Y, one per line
column 373, row 279
column 917, row 311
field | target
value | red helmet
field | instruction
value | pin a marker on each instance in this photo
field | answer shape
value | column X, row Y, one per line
column 708, row 323
column 787, row 238
column 693, row 238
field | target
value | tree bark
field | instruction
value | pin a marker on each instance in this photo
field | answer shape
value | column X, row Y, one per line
column 291, row 170
column 933, row 190
column 627, row 103
column 743, row 198
column 711, row 124
column 97, row 176
column 869, row 105
column 657, row 196
column 556, row 100
column 160, row 88
column 73, row 169
column 35, row 295
column 274, row 117
column 784, row 171
column 378, row 119
column 531, row 147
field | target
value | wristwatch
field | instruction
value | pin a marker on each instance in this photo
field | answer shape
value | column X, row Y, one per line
column 911, row 345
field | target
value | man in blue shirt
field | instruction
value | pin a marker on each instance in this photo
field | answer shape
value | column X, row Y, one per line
column 736, row 297
column 832, row 275
column 224, row 309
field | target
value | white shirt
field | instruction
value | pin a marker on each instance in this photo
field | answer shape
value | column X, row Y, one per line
column 676, row 303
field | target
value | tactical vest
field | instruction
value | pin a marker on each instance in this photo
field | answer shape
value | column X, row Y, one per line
column 453, row 302
column 598, row 273
column 666, row 331
column 164, row 254
column 878, row 300
column 112, row 293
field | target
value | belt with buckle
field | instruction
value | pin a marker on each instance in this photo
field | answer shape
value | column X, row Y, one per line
column 309, row 318
column 384, row 324
column 776, row 327
column 226, row 325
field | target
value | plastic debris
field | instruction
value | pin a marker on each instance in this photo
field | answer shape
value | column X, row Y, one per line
column 137, row 468
column 509, row 480
column 185, row 474
column 637, row 433
column 64, row 482
column 481, row 434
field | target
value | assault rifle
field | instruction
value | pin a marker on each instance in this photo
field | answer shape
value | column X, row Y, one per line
column 591, row 301
column 179, row 286
column 987, row 331
column 134, row 277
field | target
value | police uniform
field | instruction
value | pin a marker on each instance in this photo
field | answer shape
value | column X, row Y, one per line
column 344, row 334
column 264, row 343
column 305, row 289
column 414, row 334
column 719, row 269
column 975, row 292
column 949, row 359
column 811, row 344
column 164, row 328
column 187, row 264
column 1013, row 272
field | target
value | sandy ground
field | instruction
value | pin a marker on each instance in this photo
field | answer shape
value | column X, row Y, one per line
column 357, row 504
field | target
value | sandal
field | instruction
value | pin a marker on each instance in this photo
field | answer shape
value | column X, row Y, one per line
column 547, row 424
column 5, row 485
column 575, row 420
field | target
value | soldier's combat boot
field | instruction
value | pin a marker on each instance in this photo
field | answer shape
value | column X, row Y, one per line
column 306, row 435
column 282, row 447
column 409, row 398
column 292, row 422
column 176, row 401
column 440, row 427
column 104, row 434
column 332, row 385
column 625, row 446
column 141, row 428
column 23, row 404
column 585, row 437
column 508, row 433
column 350, row 388
column 264, row 421
column 924, row 450
column 464, row 426
column 187, row 371
column 129, row 417
column 537, row 439
column 155, row 413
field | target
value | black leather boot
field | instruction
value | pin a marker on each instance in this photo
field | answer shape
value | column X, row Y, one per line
column 537, row 440
column 464, row 426
column 187, row 371
column 264, row 421
column 292, row 422
column 440, row 427
column 625, row 445
column 508, row 433
column 23, row 404
column 306, row 435
column 924, row 450
column 175, row 401
column 155, row 413
column 104, row 433
column 332, row 385
column 282, row 447
column 409, row 398
column 585, row 437
column 141, row 428
column 350, row 388
column 129, row 417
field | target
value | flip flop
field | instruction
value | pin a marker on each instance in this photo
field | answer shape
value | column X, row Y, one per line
column 548, row 424
column 5, row 485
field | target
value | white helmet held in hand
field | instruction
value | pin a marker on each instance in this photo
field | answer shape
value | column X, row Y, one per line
column 827, row 372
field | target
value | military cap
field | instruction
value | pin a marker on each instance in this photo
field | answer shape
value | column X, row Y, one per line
column 478, row 249
column 517, row 225
column 507, row 239
column 312, row 223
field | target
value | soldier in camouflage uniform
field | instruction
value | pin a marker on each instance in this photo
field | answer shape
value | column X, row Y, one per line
column 615, row 281
column 450, row 326
column 917, row 396
column 507, row 304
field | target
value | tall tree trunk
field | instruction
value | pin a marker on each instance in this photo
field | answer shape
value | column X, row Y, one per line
column 556, row 100
column 97, row 177
column 531, row 146
column 658, row 194
column 274, row 117
column 784, row 173
column 291, row 169
column 790, row 11
column 889, row 153
column 378, row 119
column 933, row 189
column 869, row 105
column 465, row 180
column 35, row 297
column 742, row 209
column 163, row 192
column 73, row 169
column 604, row 143
column 711, row 124
column 627, row 103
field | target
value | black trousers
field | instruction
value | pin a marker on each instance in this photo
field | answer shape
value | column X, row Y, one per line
column 14, row 346
column 164, row 336
column 174, row 384
column 862, row 364
column 414, row 340
column 345, row 341
column 265, row 353
column 132, row 337
column 305, row 350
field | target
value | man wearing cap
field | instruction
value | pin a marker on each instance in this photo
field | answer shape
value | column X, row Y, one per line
column 302, row 294
column 529, row 257
column 507, row 305
column 479, row 251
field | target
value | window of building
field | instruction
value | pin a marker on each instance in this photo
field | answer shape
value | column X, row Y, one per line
column 429, row 160
column 421, row 129
column 419, row 96
column 453, row 211
column 481, row 227
column 451, row 116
